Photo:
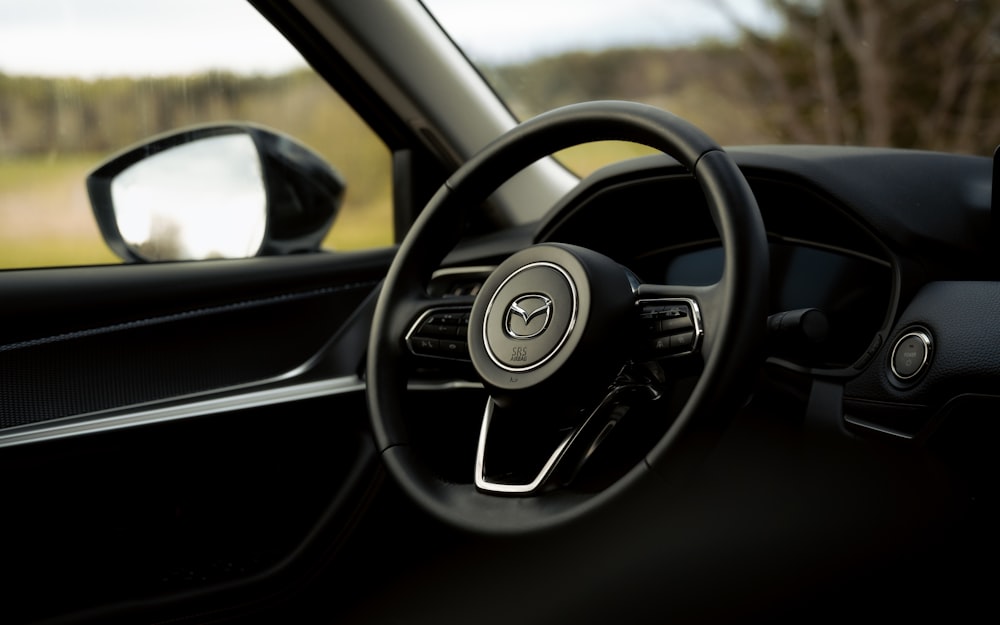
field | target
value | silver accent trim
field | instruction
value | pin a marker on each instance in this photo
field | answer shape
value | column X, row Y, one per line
column 466, row 309
column 924, row 338
column 527, row 316
column 611, row 400
column 495, row 487
column 444, row 385
column 93, row 424
column 474, row 270
column 89, row 424
column 699, row 329
column 565, row 336
column 877, row 428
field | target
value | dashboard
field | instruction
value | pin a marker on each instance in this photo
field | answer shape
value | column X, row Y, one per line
column 851, row 291
column 883, row 244
column 655, row 221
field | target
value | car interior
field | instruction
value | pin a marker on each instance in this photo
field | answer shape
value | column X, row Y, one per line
column 706, row 384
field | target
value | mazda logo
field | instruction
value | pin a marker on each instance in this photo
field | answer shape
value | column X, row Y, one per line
column 528, row 316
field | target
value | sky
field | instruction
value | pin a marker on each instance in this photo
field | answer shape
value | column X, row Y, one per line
column 129, row 37
column 517, row 30
column 91, row 38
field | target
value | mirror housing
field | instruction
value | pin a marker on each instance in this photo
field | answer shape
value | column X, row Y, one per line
column 230, row 190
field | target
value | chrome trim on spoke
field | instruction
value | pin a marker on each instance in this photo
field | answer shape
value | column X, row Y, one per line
column 699, row 329
column 495, row 487
column 94, row 423
column 611, row 399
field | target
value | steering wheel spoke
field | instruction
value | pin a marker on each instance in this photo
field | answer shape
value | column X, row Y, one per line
column 557, row 448
column 522, row 454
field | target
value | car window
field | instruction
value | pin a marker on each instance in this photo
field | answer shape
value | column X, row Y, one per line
column 917, row 74
column 82, row 80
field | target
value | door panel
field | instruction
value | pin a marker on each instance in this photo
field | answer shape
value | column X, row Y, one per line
column 187, row 437
column 78, row 341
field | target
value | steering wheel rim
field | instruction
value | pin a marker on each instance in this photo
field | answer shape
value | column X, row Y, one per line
column 734, row 325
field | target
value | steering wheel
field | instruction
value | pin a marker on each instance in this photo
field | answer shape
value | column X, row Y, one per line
column 563, row 337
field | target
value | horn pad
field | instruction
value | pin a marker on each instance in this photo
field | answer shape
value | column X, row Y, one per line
column 530, row 316
column 538, row 315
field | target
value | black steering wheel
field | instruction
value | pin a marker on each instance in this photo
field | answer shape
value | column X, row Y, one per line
column 564, row 338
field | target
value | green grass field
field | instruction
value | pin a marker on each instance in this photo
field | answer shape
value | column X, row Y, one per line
column 45, row 217
column 589, row 157
column 46, row 220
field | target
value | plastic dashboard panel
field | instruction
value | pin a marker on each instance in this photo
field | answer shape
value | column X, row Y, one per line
column 962, row 320
column 652, row 218
column 883, row 241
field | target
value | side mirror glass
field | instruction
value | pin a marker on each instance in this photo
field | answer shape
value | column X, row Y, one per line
column 219, row 191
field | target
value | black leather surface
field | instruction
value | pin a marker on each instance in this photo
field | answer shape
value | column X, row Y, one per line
column 963, row 320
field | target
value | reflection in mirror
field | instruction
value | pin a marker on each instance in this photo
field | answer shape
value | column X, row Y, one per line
column 199, row 200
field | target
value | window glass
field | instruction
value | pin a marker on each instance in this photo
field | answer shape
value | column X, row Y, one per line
column 83, row 79
column 916, row 74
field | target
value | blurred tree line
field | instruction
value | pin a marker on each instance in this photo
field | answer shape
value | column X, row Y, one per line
column 51, row 117
column 910, row 73
column 907, row 73
column 70, row 115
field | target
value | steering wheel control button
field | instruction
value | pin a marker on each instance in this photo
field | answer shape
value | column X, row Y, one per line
column 669, row 327
column 910, row 355
column 441, row 334
column 530, row 317
column 454, row 349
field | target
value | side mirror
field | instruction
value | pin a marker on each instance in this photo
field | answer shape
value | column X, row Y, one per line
column 215, row 191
